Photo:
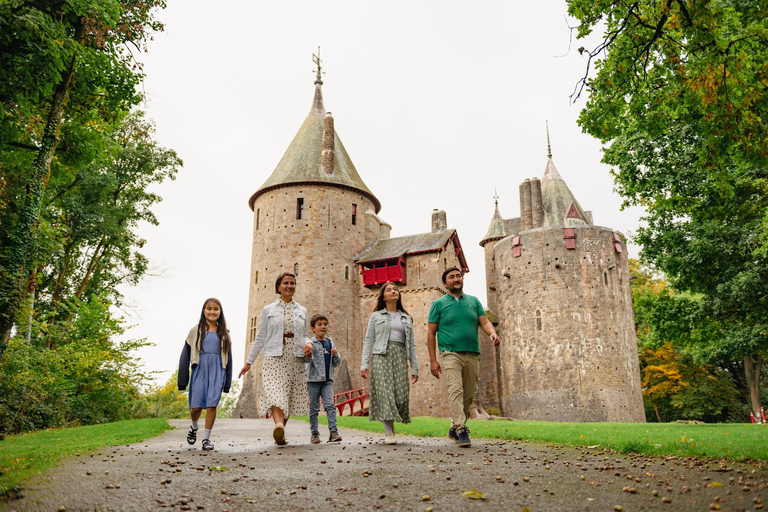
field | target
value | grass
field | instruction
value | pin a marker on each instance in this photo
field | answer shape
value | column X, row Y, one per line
column 732, row 441
column 24, row 455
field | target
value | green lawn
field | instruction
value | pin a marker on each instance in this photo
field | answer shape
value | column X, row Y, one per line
column 732, row 441
column 24, row 455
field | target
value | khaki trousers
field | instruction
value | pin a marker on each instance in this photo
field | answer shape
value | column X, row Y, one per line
column 461, row 370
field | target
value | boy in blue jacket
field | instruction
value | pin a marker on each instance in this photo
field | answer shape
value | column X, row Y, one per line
column 320, row 364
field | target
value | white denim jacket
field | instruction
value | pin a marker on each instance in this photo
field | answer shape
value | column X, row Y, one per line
column 270, row 332
column 377, row 338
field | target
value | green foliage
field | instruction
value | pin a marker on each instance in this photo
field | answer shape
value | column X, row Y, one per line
column 166, row 401
column 67, row 77
column 679, row 100
column 22, row 456
column 71, row 372
column 681, row 378
column 228, row 401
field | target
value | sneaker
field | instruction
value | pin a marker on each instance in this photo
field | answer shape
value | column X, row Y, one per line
column 315, row 438
column 390, row 439
column 207, row 445
column 192, row 435
column 335, row 437
column 453, row 435
column 464, row 441
column 279, row 434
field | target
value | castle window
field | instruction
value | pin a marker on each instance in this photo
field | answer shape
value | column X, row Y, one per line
column 253, row 329
column 346, row 272
column 257, row 218
column 605, row 277
column 538, row 320
column 299, row 208
column 296, row 269
column 256, row 277
column 354, row 214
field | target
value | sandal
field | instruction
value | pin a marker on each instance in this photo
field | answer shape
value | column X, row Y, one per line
column 192, row 435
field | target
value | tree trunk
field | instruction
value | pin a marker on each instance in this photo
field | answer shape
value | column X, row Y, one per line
column 15, row 271
column 657, row 411
column 752, row 369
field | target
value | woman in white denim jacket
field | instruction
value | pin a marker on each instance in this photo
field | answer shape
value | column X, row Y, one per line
column 283, row 334
column 390, row 347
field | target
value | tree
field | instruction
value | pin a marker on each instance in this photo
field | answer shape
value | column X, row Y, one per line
column 680, row 102
column 91, row 214
column 681, row 377
column 61, row 62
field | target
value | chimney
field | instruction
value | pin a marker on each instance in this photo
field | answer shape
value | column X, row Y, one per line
column 327, row 159
column 526, row 216
column 439, row 222
column 537, row 205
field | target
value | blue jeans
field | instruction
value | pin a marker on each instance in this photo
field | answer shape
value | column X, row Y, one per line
column 317, row 390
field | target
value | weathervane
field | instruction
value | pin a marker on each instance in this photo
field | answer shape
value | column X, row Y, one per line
column 317, row 61
column 495, row 196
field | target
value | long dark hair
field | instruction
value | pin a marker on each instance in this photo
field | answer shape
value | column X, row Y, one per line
column 381, row 303
column 221, row 327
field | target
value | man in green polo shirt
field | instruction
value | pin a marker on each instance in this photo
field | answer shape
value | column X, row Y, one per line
column 454, row 319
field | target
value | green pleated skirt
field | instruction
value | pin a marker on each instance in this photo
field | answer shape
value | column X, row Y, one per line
column 390, row 386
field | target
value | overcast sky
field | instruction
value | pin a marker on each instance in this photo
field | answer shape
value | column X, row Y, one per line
column 436, row 102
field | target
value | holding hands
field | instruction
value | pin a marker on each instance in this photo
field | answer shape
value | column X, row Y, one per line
column 308, row 349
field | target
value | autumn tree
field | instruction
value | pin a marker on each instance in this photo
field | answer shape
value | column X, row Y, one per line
column 64, row 64
column 678, row 95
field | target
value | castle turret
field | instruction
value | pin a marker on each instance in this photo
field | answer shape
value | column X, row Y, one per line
column 560, row 288
column 309, row 220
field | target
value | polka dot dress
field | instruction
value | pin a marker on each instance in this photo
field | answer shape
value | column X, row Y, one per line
column 389, row 386
column 283, row 385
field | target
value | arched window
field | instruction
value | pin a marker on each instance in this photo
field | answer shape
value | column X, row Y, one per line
column 346, row 272
column 538, row 320
column 256, row 277
column 605, row 277
column 296, row 269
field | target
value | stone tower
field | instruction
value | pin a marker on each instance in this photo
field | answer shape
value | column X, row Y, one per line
column 308, row 218
column 559, row 286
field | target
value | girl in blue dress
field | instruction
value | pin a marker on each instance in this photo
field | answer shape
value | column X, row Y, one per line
column 207, row 350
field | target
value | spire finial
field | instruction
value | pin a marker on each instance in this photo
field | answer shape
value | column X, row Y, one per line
column 319, row 72
column 495, row 196
column 549, row 147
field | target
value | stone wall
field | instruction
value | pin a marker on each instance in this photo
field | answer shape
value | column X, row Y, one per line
column 568, row 349
column 323, row 243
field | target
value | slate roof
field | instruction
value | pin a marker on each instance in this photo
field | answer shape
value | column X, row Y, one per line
column 390, row 248
column 301, row 162
column 496, row 229
column 557, row 199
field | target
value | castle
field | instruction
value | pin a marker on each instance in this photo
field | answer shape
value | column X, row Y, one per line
column 558, row 286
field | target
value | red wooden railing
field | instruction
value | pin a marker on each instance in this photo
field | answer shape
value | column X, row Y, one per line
column 352, row 398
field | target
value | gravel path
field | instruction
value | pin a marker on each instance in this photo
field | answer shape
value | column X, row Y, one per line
column 248, row 472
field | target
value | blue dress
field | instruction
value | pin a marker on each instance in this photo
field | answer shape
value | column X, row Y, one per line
column 208, row 376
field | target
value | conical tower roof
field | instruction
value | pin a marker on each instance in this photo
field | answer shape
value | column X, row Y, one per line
column 560, row 206
column 301, row 162
column 496, row 230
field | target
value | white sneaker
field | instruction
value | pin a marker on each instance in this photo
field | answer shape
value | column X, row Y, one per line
column 390, row 439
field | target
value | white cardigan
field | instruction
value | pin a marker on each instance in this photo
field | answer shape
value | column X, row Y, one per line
column 270, row 333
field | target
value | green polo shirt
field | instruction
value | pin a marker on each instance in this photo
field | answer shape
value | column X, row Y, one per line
column 457, row 322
